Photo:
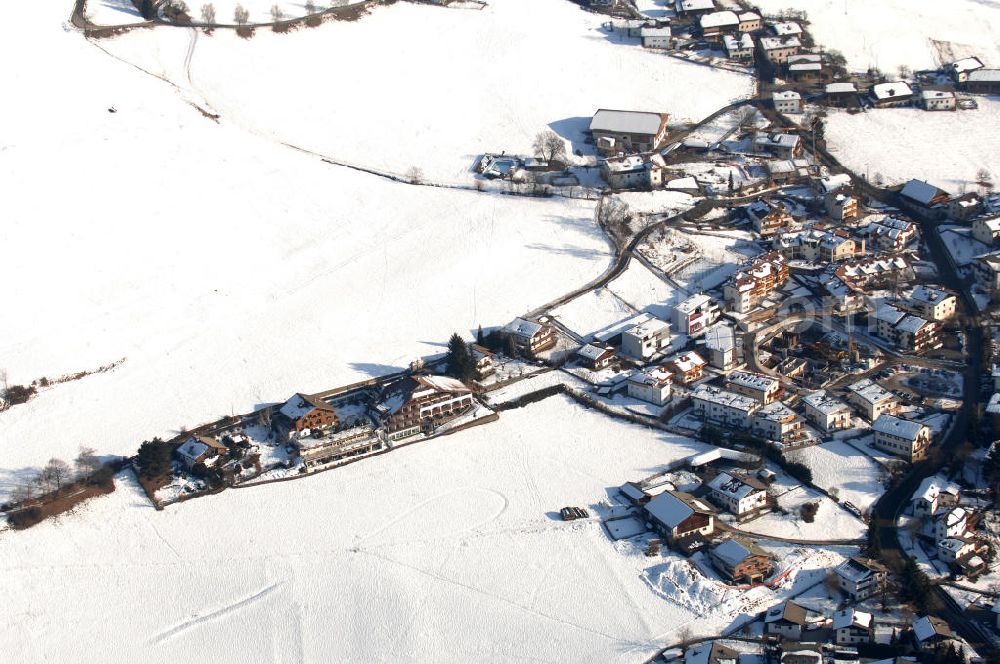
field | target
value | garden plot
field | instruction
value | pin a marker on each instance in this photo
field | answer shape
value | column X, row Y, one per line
column 593, row 311
column 699, row 261
column 950, row 148
column 923, row 35
column 838, row 467
column 379, row 93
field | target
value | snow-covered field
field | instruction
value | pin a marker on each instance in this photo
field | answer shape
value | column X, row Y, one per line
column 228, row 270
column 837, row 465
column 421, row 86
column 113, row 12
column 949, row 147
column 435, row 552
column 889, row 33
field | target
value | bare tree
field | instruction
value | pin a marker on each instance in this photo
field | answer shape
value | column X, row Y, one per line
column 415, row 175
column 904, row 72
column 984, row 180
column 615, row 216
column 832, row 583
column 310, row 7
column 684, row 635
column 56, row 472
column 87, row 462
column 22, row 492
column 550, row 146
column 338, row 3
column 208, row 13
column 241, row 15
column 277, row 13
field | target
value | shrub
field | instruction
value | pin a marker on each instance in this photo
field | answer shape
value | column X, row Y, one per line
column 17, row 394
column 25, row 518
column 808, row 512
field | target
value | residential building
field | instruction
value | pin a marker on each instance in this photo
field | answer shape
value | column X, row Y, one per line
column 693, row 7
column 485, row 360
column 983, row 81
column 304, row 414
column 950, row 523
column 986, row 269
column 653, row 37
column 723, row 407
column 764, row 389
column 677, row 516
column 842, row 95
column 903, row 438
column 965, row 207
column 596, row 357
column 932, row 494
column 787, row 620
column 953, row 549
column 419, row 404
column 786, row 29
column 634, row 493
column 715, row 25
column 938, row 100
column 199, row 450
column 720, row 342
column 651, row 384
column 627, row 132
column 768, row 218
column 891, row 95
column 737, row 493
column 777, row 422
column 924, row 200
column 906, row 331
column 695, row 314
column 881, row 270
column 986, row 230
column 646, row 339
column 783, row 146
column 631, row 172
column 787, row 170
column 755, row 281
column 826, row 412
column 871, row 399
column 778, row 49
column 686, row 367
column 353, row 441
column 851, row 627
column 741, row 561
column 531, row 337
column 750, row 22
column 889, row 234
column 738, row 47
column 930, row 631
column 842, row 205
column 860, row 578
column 960, row 69
column 933, row 303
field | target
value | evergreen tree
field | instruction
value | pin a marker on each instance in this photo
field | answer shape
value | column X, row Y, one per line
column 154, row 458
column 480, row 338
column 460, row 362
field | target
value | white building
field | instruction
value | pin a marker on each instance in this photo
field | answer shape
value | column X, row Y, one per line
column 694, row 314
column 986, row 231
column 892, row 94
column 933, row 303
column 777, row 422
column 900, row 437
column 953, row 549
column 738, row 47
column 631, row 172
column 826, row 412
column 723, row 407
column 953, row 523
column 778, row 49
column 787, row 101
column 860, row 578
column 938, row 100
column 720, row 342
column 764, row 389
column 737, row 494
column 652, row 385
column 871, row 399
column 655, row 37
column 646, row 339
column 852, row 627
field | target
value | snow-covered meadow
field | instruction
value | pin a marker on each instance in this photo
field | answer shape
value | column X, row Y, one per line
column 949, row 147
column 421, row 86
column 890, row 33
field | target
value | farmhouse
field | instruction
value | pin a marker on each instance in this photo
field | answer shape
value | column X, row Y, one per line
column 860, row 577
column 924, row 200
column 929, row 631
column 759, row 387
column 693, row 7
column 627, row 132
column 741, row 561
column 716, row 24
column 630, row 172
column 826, row 412
column 419, row 404
column 737, row 493
column 871, row 399
column 842, row 95
column 888, row 95
column 983, row 81
column 644, row 340
column 750, row 22
column 303, row 414
column 655, row 37
column 738, row 47
column 960, row 69
column 652, row 385
column 695, row 314
column 596, row 357
column 784, row 146
column 787, row 101
column 530, row 337
column 778, row 49
column 938, row 100
column 678, row 516
column 687, row 367
column 900, row 437
column 199, row 449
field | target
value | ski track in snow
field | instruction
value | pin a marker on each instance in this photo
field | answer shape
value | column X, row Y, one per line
column 218, row 613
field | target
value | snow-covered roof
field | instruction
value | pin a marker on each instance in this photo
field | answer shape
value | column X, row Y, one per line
column 627, row 122
column 523, row 329
column 936, row 94
column 787, row 28
column 443, row 383
column 774, row 43
column 682, row 183
column 752, row 381
column 805, row 57
column 777, row 412
column 837, row 88
column 824, row 403
column 933, row 486
column 648, row 328
column 966, row 64
column 719, row 19
column 870, row 391
column 736, row 487
column 725, row 398
column 889, row 314
column 655, row 32
column 689, row 361
column 785, row 95
column 927, row 627
column 731, row 552
column 920, row 191
column 694, row 5
column 897, row 426
column 891, row 90
column 592, row 352
column 653, row 377
column 788, row 611
column 693, row 303
column 834, row 182
column 851, row 618
column 632, row 491
column 954, row 516
column 749, row 16
column 302, row 404
column 953, row 544
column 858, row 569
column 930, row 295
column 720, row 337
column 671, row 510
column 984, row 76
column 912, row 324
column 806, row 66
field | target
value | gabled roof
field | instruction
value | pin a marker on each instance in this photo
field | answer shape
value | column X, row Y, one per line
column 627, row 122
column 671, row 508
column 788, row 612
column 897, row 426
column 734, row 551
column 301, row 404
column 928, row 627
column 920, row 191
column 851, row 618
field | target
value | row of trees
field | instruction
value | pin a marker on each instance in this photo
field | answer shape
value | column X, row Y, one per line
column 241, row 15
column 57, row 473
